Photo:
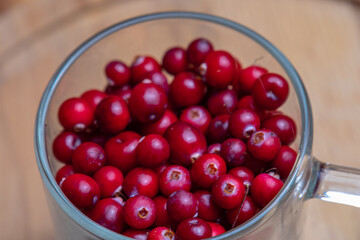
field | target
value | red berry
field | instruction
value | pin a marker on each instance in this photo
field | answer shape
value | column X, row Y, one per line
column 139, row 212
column 223, row 102
column 270, row 91
column 161, row 168
column 248, row 77
column 233, row 151
column 93, row 97
column 193, row 229
column 141, row 66
column 88, row 158
column 228, row 191
column 138, row 234
column 81, row 190
column 64, row 145
column 160, row 126
column 243, row 123
column 198, row 116
column 243, row 173
column 248, row 103
column 198, row 50
column 214, row 148
column 283, row 126
column 75, row 114
column 216, row 228
column 158, row 78
column 63, row 173
column 248, row 210
column 141, row 181
column 284, row 161
column 152, row 151
column 264, row 145
column 118, row 74
column 110, row 180
column 162, row 217
column 264, row 188
column 161, row 233
column 218, row 129
column 174, row 60
column 208, row 210
column 173, row 178
column 182, row 205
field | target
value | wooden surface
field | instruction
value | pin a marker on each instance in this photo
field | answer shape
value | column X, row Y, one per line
column 321, row 38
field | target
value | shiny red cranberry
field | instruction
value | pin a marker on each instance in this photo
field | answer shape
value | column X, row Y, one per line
column 152, row 151
column 141, row 181
column 108, row 213
column 187, row 89
column 193, row 229
column 120, row 150
column 182, row 205
column 248, row 103
column 160, row 126
column 264, row 145
column 264, row 188
column 216, row 228
column 88, row 157
column 158, row 78
column 228, row 191
column 161, row 233
column 270, row 91
column 138, row 234
column 63, row 173
column 139, row 212
column 197, row 116
column 117, row 73
column 243, row 173
column 243, row 123
column 268, row 114
column 75, row 114
column 186, row 142
column 64, row 145
column 198, row 50
column 112, row 114
column 147, row 102
column 220, row 69
column 247, row 211
column 93, row 97
column 248, row 77
column 208, row 210
column 284, row 161
column 283, row 126
column 218, row 129
column 214, row 148
column 223, row 102
column 173, row 178
column 233, row 151
column 110, row 180
column 162, row 217
column 207, row 169
column 141, row 66
column 174, row 60
column 81, row 190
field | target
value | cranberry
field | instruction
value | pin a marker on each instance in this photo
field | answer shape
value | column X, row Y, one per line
column 216, row 228
column 108, row 213
column 248, row 76
column 220, row 69
column 120, row 150
column 218, row 129
column 63, row 173
column 173, row 178
column 193, row 229
column 197, row 116
column 93, row 97
column 243, row 123
column 152, row 151
column 117, row 90
column 118, row 74
column 235, row 85
column 243, row 173
column 95, row 137
column 88, row 157
column 207, row 169
column 182, row 205
column 139, row 212
column 141, row 66
column 264, row 188
column 161, row 168
column 186, row 142
column 110, row 180
column 198, row 50
column 233, row 152
column 264, row 145
column 112, row 114
column 208, row 210
column 162, row 217
column 161, row 233
column 237, row 216
column 228, row 191
column 75, row 114
column 158, row 78
column 248, row 103
column 187, row 89
column 141, row 181
column 284, row 161
column 255, row 165
column 268, row 114
column 81, row 190
column 160, row 126
column 223, row 102
column 138, row 234
column 174, row 60
column 64, row 145
column 214, row 148
column 270, row 91
column 147, row 102
column 283, row 126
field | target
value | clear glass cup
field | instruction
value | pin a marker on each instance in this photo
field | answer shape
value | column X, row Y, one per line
column 283, row 217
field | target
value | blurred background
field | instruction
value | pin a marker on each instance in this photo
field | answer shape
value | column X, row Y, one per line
column 320, row 37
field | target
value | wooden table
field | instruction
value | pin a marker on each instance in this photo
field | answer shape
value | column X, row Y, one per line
column 321, row 38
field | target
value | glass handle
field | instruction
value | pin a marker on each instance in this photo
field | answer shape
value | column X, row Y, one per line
column 337, row 184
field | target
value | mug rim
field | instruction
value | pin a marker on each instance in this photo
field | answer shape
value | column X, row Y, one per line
column 40, row 123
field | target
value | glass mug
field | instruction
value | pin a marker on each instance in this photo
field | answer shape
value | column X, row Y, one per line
column 283, row 217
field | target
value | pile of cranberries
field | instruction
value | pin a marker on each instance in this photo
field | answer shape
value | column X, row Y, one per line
column 183, row 159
